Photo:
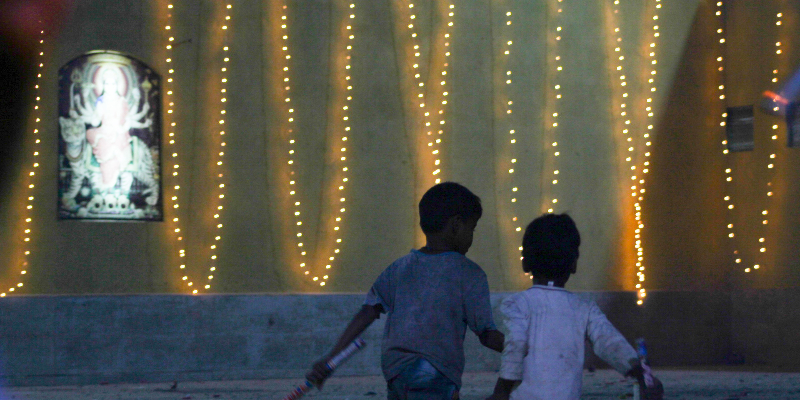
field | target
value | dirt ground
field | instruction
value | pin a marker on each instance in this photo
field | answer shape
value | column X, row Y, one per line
column 601, row 384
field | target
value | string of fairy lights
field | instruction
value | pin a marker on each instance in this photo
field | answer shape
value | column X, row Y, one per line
column 342, row 176
column 31, row 176
column 638, row 181
column 509, row 109
column 419, row 80
column 434, row 141
column 633, row 143
column 172, row 123
column 289, row 127
column 223, row 99
column 443, row 87
column 623, row 111
column 762, row 245
column 554, row 107
column 729, row 164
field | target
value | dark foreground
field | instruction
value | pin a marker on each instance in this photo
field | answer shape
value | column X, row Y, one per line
column 602, row 384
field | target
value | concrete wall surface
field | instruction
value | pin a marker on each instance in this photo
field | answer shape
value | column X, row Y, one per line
column 686, row 244
column 764, row 325
column 48, row 340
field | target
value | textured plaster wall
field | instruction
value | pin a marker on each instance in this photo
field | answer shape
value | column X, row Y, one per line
column 685, row 236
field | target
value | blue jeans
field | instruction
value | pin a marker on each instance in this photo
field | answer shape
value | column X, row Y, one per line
column 421, row 381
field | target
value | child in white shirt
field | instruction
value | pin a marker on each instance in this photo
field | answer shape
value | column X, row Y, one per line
column 543, row 354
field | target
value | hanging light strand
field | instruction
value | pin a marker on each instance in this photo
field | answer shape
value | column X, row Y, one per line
column 321, row 278
column 343, row 139
column 761, row 245
column 220, row 175
column 728, row 199
column 625, row 118
column 622, row 80
column 513, row 190
column 292, row 141
column 435, row 141
column 638, row 180
column 171, row 121
column 31, row 176
column 553, row 128
column 419, row 80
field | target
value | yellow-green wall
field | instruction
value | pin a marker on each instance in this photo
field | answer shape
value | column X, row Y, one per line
column 685, row 236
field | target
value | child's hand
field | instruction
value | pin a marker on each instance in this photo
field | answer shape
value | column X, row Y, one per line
column 651, row 387
column 319, row 373
column 653, row 390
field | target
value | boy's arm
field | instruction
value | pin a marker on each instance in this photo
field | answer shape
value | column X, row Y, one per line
column 493, row 339
column 363, row 319
column 502, row 389
column 478, row 313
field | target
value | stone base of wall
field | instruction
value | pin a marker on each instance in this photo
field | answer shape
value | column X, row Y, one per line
column 55, row 340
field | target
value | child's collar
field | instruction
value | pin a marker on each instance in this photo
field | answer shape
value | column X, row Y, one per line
column 546, row 287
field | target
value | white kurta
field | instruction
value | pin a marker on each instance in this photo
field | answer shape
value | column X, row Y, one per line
column 544, row 347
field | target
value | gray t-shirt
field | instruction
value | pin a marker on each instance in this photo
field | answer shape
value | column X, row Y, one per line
column 430, row 300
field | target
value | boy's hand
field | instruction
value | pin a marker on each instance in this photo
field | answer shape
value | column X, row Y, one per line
column 319, row 373
column 502, row 389
column 493, row 339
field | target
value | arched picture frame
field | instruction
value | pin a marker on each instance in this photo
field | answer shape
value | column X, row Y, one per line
column 109, row 141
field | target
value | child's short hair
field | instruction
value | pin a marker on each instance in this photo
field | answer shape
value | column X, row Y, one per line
column 550, row 246
column 446, row 200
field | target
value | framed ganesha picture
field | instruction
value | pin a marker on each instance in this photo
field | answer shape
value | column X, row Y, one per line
column 109, row 141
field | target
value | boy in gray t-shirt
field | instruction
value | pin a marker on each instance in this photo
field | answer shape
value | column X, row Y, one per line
column 431, row 296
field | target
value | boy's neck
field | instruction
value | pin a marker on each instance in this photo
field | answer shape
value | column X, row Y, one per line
column 436, row 244
column 428, row 249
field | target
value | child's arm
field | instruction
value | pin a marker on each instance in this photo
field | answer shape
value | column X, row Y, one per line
column 363, row 319
column 609, row 344
column 614, row 349
column 515, row 348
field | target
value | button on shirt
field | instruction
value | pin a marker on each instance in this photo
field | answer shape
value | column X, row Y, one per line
column 544, row 347
column 430, row 300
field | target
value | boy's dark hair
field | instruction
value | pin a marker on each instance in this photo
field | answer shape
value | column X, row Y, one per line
column 446, row 200
column 550, row 246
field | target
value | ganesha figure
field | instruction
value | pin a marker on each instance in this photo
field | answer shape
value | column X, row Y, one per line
column 98, row 140
column 111, row 120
